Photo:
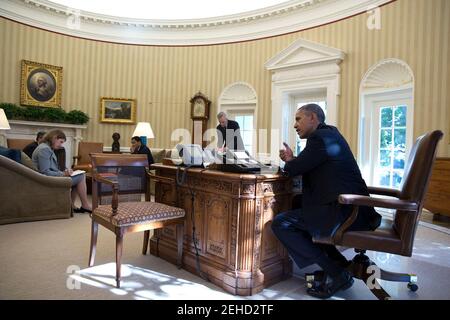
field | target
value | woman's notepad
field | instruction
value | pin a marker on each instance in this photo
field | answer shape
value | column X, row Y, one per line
column 77, row 172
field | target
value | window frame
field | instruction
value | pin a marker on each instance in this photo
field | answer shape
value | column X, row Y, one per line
column 369, row 126
column 378, row 105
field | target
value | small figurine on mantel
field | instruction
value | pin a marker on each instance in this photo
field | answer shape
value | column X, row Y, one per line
column 116, row 145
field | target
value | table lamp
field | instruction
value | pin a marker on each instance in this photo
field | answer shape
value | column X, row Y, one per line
column 144, row 131
column 4, row 125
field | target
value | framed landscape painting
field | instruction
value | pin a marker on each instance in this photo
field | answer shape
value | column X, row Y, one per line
column 116, row 110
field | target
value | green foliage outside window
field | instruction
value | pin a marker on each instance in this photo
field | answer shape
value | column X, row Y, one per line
column 392, row 150
column 386, row 117
column 400, row 116
column 385, row 138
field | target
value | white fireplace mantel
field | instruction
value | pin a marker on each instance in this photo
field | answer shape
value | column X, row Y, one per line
column 28, row 129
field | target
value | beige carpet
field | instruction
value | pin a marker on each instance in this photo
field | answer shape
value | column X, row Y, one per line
column 39, row 260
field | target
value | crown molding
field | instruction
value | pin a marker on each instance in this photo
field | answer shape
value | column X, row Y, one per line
column 280, row 19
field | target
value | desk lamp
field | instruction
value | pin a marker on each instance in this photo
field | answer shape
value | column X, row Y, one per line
column 4, row 124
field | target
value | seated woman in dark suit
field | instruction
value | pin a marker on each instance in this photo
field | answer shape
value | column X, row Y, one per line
column 45, row 160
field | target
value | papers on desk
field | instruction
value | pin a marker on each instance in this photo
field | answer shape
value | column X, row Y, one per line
column 77, row 172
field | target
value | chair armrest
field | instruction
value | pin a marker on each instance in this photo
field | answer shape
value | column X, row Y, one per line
column 162, row 180
column 75, row 161
column 336, row 237
column 115, row 190
column 99, row 178
column 384, row 191
column 359, row 200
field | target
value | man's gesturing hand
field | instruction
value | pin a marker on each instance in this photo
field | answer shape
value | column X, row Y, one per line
column 286, row 154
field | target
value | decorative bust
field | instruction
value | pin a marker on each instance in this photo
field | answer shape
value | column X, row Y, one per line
column 116, row 144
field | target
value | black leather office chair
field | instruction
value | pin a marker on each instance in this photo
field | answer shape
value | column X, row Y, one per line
column 395, row 236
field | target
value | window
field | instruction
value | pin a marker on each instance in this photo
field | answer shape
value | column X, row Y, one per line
column 301, row 143
column 386, row 138
column 245, row 121
column 386, row 119
column 391, row 153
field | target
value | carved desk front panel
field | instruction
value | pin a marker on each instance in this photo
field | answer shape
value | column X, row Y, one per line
column 232, row 217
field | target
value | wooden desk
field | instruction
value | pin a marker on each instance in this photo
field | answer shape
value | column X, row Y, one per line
column 233, row 214
column 437, row 199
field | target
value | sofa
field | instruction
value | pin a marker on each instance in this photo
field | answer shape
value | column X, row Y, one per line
column 158, row 155
column 27, row 195
column 20, row 144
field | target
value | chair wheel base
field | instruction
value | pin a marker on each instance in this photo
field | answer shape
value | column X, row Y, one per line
column 413, row 287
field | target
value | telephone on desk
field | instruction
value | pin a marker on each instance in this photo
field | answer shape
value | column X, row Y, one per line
column 190, row 154
column 240, row 161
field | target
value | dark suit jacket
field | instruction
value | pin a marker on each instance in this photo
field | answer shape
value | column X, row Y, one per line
column 29, row 149
column 328, row 169
column 145, row 150
column 236, row 143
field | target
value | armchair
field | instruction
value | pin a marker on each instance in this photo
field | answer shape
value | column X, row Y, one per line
column 117, row 179
column 395, row 236
column 83, row 161
column 18, row 143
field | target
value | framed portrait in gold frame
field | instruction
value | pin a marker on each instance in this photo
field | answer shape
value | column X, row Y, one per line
column 40, row 84
column 117, row 110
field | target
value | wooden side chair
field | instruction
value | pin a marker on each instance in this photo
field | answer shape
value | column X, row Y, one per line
column 118, row 184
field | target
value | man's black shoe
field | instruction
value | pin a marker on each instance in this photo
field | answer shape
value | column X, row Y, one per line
column 327, row 290
column 315, row 279
column 320, row 276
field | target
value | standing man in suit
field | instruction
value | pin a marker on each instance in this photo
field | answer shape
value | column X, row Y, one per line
column 138, row 148
column 328, row 169
column 28, row 150
column 229, row 134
